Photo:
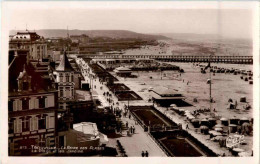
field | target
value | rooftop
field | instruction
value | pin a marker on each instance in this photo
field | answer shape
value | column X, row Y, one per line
column 122, row 69
column 165, row 92
column 64, row 64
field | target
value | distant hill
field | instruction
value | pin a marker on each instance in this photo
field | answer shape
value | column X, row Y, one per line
column 48, row 33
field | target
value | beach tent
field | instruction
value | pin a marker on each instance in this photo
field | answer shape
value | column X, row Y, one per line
column 232, row 128
column 212, row 122
column 204, row 122
column 224, row 121
column 218, row 129
column 204, row 129
column 234, row 120
column 246, row 128
column 195, row 122
column 243, row 120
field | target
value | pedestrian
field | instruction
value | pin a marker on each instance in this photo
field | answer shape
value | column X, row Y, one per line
column 142, row 153
column 126, row 124
column 187, row 126
column 146, row 153
column 133, row 129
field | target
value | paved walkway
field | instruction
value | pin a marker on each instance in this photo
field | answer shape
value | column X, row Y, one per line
column 135, row 143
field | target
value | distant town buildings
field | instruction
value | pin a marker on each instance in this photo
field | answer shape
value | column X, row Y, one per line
column 79, row 38
column 35, row 44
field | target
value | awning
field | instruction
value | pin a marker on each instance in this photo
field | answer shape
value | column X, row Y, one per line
column 103, row 138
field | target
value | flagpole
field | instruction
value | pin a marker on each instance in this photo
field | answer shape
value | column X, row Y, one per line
column 210, row 101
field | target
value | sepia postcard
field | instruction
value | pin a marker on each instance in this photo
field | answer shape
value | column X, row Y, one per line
column 132, row 82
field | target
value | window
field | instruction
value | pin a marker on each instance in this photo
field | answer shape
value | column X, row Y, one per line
column 36, row 103
column 25, row 104
column 50, row 122
column 10, row 127
column 42, row 102
column 67, row 78
column 26, row 125
column 17, row 125
column 72, row 92
column 49, row 101
column 61, row 78
column 42, row 123
column 25, row 86
column 33, row 123
column 17, row 105
column 61, row 92
column 31, row 103
column 67, row 92
column 10, row 105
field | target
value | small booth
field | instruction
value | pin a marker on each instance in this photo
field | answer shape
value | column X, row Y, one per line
column 123, row 71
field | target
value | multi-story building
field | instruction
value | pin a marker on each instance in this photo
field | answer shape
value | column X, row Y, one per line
column 31, row 41
column 32, row 106
column 64, row 74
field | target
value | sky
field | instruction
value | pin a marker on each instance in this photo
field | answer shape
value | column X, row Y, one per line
column 234, row 23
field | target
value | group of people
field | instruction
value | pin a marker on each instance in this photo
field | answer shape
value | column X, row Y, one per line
column 145, row 154
column 132, row 129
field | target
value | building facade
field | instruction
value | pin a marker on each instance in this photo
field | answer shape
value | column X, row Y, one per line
column 32, row 106
column 31, row 41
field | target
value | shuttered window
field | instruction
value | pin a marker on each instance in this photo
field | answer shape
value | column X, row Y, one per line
column 31, row 124
column 20, row 104
column 19, row 126
column 49, row 101
column 46, row 103
column 51, row 122
column 36, row 103
column 15, row 105
column 15, row 126
column 47, row 122
column 31, row 103
column 36, row 123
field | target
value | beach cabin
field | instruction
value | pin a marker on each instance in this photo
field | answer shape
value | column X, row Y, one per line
column 123, row 71
column 166, row 97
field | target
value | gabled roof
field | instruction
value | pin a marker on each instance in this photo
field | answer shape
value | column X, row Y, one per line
column 19, row 68
column 64, row 64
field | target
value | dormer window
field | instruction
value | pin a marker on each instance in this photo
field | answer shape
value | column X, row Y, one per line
column 25, row 85
column 24, row 81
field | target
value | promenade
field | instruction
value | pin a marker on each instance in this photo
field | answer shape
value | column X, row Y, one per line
column 135, row 143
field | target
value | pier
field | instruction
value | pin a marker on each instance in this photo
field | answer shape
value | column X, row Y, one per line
column 179, row 58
